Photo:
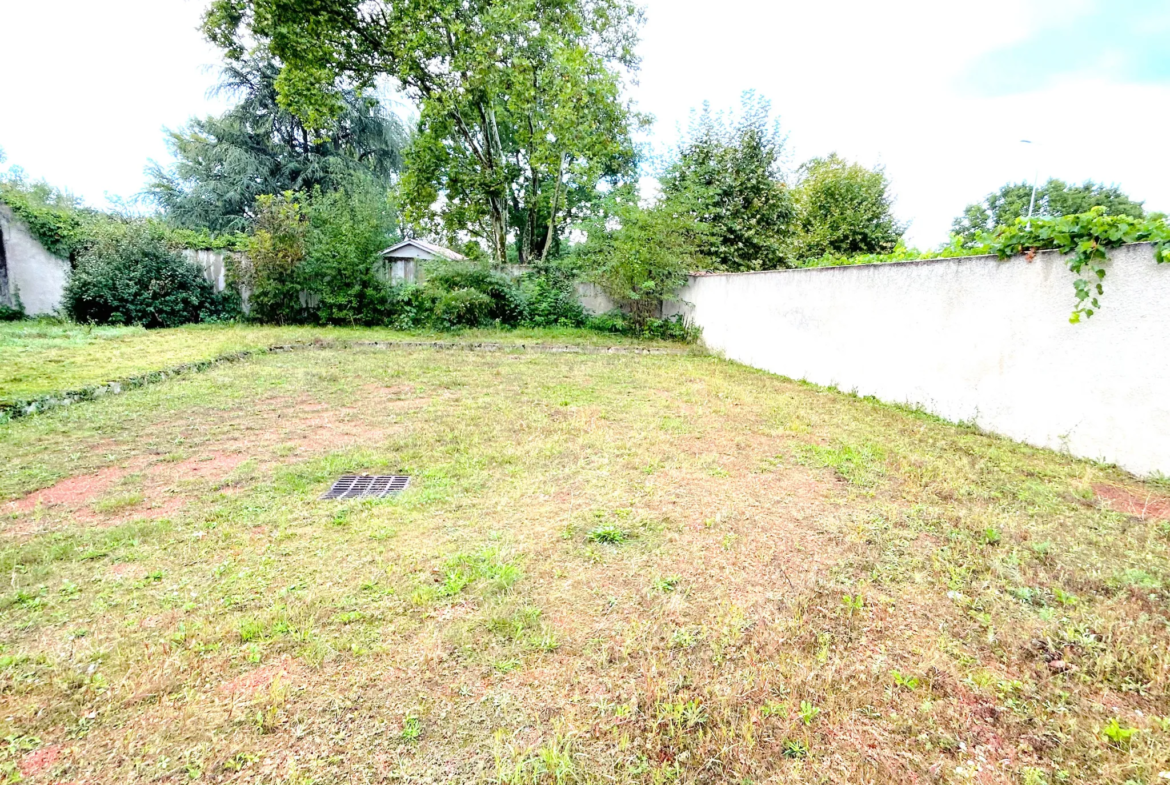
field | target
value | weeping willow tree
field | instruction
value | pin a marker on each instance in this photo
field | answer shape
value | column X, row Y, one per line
column 257, row 147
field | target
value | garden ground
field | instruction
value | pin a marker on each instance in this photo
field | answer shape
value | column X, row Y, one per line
column 608, row 567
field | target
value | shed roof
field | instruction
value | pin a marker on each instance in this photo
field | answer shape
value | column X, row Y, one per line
column 436, row 251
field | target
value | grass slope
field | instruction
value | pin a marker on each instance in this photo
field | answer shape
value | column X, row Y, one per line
column 608, row 568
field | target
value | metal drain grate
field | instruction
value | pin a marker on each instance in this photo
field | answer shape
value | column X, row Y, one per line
column 353, row 486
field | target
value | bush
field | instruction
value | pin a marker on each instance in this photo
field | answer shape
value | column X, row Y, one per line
column 14, row 312
column 551, row 300
column 673, row 328
column 463, row 308
column 128, row 275
column 502, row 301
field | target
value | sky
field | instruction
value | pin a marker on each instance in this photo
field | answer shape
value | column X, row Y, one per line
column 938, row 93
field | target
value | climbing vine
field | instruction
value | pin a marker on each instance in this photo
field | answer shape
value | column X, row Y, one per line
column 1086, row 238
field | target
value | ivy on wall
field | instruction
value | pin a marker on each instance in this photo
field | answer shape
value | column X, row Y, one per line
column 64, row 228
column 1086, row 239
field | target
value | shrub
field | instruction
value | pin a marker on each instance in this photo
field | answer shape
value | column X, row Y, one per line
column 502, row 301
column 348, row 229
column 274, row 275
column 462, row 308
column 551, row 300
column 128, row 275
column 14, row 312
column 674, row 328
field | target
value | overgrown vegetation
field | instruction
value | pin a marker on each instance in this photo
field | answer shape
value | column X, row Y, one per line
column 128, row 275
column 1053, row 199
column 1085, row 238
column 715, row 575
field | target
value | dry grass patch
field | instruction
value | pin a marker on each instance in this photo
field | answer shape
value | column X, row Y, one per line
column 607, row 568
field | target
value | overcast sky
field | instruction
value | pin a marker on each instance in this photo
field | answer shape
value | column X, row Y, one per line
column 940, row 93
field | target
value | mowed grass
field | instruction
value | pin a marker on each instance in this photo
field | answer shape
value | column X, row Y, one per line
column 44, row 357
column 607, row 568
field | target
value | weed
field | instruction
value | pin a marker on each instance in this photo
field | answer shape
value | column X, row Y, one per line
column 859, row 465
column 666, row 585
column 1118, row 735
column 905, row 682
column 607, row 533
column 808, row 712
column 411, row 729
column 794, row 749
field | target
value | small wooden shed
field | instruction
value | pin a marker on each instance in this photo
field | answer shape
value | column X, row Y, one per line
column 404, row 262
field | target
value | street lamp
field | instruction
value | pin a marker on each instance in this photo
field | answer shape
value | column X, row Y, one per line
column 1035, row 180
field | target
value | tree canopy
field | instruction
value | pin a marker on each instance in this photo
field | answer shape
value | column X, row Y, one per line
column 1054, row 199
column 843, row 208
column 520, row 100
column 259, row 147
column 727, row 176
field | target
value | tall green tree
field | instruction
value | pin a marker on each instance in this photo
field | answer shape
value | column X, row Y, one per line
column 1054, row 199
column 727, row 176
column 259, row 147
column 520, row 100
column 843, row 208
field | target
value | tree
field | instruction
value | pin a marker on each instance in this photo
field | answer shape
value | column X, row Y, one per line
column 1054, row 199
column 641, row 256
column 258, row 147
column 843, row 208
column 520, row 100
column 728, row 174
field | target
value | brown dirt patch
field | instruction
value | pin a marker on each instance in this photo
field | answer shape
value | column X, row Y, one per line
column 1146, row 507
column 40, row 760
column 288, row 670
column 72, row 491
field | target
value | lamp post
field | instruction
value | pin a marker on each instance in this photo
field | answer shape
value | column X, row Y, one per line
column 1035, row 180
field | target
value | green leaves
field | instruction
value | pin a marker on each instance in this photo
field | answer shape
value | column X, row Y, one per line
column 1086, row 238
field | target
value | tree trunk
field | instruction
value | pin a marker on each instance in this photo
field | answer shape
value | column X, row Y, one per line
column 552, row 213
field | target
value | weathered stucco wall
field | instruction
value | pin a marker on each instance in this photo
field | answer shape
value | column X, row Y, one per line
column 36, row 274
column 974, row 339
column 212, row 263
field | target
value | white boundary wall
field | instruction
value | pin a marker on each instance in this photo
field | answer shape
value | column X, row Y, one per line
column 973, row 339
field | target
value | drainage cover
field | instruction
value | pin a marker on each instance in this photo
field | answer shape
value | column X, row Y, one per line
column 353, row 486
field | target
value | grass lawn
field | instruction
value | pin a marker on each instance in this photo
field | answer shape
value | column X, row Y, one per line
column 46, row 357
column 607, row 568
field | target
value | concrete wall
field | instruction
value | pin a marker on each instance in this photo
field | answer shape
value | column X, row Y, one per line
column 212, row 263
column 972, row 339
column 36, row 274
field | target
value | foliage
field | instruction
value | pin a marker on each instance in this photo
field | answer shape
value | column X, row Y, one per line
column 1054, row 199
column 640, row 256
column 843, row 208
column 273, row 275
column 520, row 103
column 55, row 218
column 726, row 176
column 348, row 229
column 258, row 147
column 673, row 328
column 14, row 312
column 314, row 258
column 901, row 253
column 468, row 294
column 1085, row 238
column 128, row 275
column 551, row 299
